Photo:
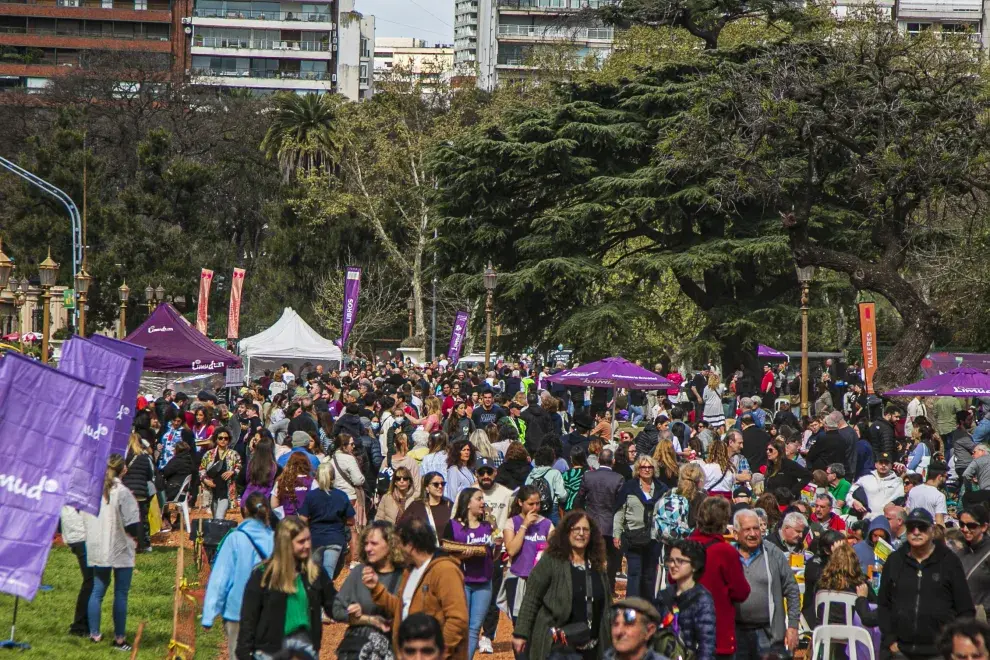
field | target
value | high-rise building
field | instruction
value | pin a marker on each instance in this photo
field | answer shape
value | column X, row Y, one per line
column 496, row 39
column 414, row 60
column 282, row 46
column 40, row 39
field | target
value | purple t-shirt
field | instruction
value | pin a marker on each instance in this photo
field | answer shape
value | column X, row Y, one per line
column 303, row 483
column 476, row 569
column 534, row 543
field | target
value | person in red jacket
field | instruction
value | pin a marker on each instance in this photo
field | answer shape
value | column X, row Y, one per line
column 723, row 575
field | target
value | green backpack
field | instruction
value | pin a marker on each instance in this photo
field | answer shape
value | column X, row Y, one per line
column 668, row 644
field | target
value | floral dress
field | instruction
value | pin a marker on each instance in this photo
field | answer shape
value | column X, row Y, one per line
column 233, row 460
column 169, row 439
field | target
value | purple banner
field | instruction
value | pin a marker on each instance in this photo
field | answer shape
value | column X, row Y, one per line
column 457, row 337
column 132, row 380
column 101, row 366
column 352, row 289
column 43, row 413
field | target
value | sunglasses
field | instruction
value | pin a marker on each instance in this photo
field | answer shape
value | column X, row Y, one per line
column 223, row 437
column 402, row 479
column 486, row 472
column 628, row 616
column 439, row 484
column 971, row 525
column 919, row 526
column 646, row 467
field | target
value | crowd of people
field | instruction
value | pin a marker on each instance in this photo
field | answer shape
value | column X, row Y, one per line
column 450, row 495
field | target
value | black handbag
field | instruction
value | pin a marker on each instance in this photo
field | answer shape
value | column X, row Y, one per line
column 578, row 635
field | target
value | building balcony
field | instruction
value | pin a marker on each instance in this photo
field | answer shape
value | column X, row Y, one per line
column 101, row 10
column 260, row 19
column 264, row 79
column 553, row 33
column 550, row 6
column 953, row 10
column 39, row 38
column 232, row 47
column 41, row 70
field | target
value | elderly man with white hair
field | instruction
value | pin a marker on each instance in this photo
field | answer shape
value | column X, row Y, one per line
column 767, row 621
column 978, row 473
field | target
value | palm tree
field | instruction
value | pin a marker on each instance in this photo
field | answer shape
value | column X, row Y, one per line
column 301, row 135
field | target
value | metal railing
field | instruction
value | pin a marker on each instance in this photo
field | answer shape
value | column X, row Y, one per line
column 90, row 4
column 264, row 15
column 86, row 35
column 260, row 44
column 554, row 32
column 262, row 73
column 555, row 5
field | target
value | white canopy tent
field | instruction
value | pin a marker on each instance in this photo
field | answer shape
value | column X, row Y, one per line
column 290, row 340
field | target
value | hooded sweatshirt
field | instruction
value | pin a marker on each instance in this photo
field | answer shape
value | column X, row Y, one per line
column 864, row 549
column 880, row 491
column 235, row 559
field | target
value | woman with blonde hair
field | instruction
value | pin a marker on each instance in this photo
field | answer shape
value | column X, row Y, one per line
column 368, row 629
column 483, row 446
column 843, row 572
column 330, row 515
column 400, row 495
column 111, row 539
column 139, row 473
column 690, row 486
column 720, row 476
column 401, row 458
column 666, row 461
column 285, row 597
column 633, row 526
column 431, row 421
column 713, row 412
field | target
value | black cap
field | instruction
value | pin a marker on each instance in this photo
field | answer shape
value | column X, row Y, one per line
column 582, row 420
column 919, row 515
column 742, row 491
column 884, row 457
column 484, row 464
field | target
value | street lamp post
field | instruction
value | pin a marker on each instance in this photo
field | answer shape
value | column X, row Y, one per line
column 411, row 306
column 82, row 288
column 6, row 267
column 490, row 278
column 149, row 297
column 804, row 274
column 47, row 273
column 124, row 293
column 159, row 295
column 19, row 300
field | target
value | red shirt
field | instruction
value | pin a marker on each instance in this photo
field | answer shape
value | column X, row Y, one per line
column 676, row 378
column 766, row 385
column 835, row 523
column 725, row 579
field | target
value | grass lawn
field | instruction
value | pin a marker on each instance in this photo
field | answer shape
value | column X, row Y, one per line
column 45, row 622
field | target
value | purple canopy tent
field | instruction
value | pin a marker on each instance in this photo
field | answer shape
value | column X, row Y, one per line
column 176, row 346
column 764, row 351
column 962, row 382
column 941, row 362
column 614, row 372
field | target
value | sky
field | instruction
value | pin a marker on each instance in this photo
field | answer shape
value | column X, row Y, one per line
column 432, row 20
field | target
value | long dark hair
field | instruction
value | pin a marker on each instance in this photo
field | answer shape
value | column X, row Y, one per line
column 461, row 510
column 454, row 453
column 262, row 465
column 523, row 494
column 559, row 544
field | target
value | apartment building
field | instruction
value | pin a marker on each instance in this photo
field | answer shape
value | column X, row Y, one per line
column 418, row 61
column 496, row 39
column 941, row 17
column 282, row 46
column 40, row 39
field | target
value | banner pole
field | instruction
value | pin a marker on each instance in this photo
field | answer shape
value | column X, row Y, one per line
column 10, row 643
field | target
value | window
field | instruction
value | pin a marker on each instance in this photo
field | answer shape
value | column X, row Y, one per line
column 363, row 77
column 914, row 29
column 365, row 51
column 140, row 4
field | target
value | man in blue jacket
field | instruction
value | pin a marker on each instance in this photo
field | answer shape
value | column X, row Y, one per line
column 241, row 550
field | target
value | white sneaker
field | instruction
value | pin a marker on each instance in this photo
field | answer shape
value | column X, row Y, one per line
column 485, row 645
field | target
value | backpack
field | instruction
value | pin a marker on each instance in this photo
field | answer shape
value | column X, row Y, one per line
column 384, row 478
column 542, row 487
column 668, row 644
column 671, row 518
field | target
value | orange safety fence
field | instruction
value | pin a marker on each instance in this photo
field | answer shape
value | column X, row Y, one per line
column 186, row 608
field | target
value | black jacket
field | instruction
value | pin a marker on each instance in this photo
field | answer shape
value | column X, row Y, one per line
column 786, row 418
column 538, row 425
column 882, row 437
column 512, row 474
column 263, row 614
column 791, row 476
column 570, row 441
column 140, row 470
column 917, row 601
column 755, row 443
column 175, row 472
column 350, row 424
column 828, row 450
column 646, row 440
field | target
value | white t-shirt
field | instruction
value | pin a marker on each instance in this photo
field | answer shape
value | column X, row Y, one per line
column 499, row 500
column 928, row 498
column 415, row 575
column 717, row 480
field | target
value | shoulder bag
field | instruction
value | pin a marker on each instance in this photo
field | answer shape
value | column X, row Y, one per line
column 579, row 635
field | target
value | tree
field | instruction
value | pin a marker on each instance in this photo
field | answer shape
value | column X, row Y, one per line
column 301, row 134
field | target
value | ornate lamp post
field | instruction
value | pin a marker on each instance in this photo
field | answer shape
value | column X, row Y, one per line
column 47, row 273
column 19, row 300
column 6, row 267
column 149, row 297
column 82, row 288
column 490, row 277
column 411, row 306
column 124, row 293
column 159, row 295
column 804, row 274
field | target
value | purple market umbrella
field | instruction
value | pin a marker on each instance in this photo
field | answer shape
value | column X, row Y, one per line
column 612, row 372
column 961, row 382
column 766, row 352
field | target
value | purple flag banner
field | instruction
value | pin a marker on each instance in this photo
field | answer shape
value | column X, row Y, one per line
column 128, row 396
column 101, row 366
column 457, row 337
column 352, row 289
column 43, row 413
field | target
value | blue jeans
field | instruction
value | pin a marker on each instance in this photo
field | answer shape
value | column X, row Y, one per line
column 327, row 557
column 479, row 595
column 635, row 414
column 641, row 571
column 121, row 586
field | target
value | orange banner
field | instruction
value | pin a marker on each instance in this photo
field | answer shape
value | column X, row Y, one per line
column 868, row 334
column 203, row 312
column 234, row 315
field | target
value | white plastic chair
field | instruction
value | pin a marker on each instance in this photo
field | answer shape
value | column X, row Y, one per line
column 856, row 638
column 842, row 600
column 182, row 501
